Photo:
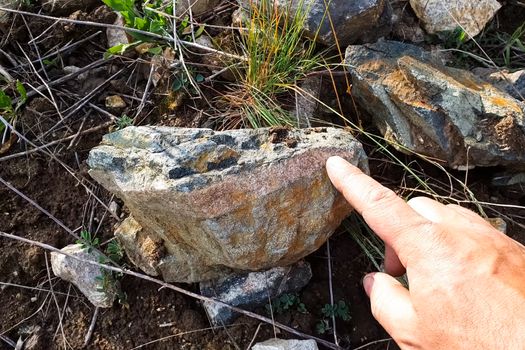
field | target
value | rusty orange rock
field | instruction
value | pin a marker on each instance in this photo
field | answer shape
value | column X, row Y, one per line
column 205, row 203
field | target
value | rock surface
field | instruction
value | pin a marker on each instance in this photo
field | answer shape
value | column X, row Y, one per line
column 511, row 82
column 250, row 290
column 434, row 110
column 83, row 275
column 198, row 7
column 286, row 344
column 354, row 21
column 206, row 202
column 438, row 16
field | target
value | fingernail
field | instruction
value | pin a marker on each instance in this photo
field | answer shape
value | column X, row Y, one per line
column 368, row 282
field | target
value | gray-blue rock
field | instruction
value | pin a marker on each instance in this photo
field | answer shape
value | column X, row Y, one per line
column 204, row 203
column 449, row 114
column 251, row 290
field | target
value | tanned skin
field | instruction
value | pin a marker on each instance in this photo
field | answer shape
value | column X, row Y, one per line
column 467, row 279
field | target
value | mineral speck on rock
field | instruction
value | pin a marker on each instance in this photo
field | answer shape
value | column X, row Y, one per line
column 204, row 203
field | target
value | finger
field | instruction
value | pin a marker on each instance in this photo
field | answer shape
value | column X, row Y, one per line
column 391, row 306
column 388, row 216
column 432, row 210
column 393, row 265
column 468, row 214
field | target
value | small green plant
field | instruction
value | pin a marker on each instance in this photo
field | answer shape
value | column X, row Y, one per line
column 287, row 302
column 107, row 280
column 6, row 105
column 338, row 310
column 123, row 122
column 153, row 17
column 87, row 241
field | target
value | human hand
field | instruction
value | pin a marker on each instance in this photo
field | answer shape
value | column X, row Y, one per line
column 467, row 280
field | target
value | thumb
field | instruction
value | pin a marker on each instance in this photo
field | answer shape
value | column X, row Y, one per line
column 392, row 307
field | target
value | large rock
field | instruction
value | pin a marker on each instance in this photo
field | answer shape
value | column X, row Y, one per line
column 354, row 21
column 250, row 290
column 419, row 104
column 85, row 276
column 439, row 16
column 205, row 202
column 286, row 344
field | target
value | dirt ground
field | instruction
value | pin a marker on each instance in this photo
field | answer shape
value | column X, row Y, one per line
column 52, row 314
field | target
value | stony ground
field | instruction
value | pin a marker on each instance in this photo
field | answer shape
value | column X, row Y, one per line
column 53, row 185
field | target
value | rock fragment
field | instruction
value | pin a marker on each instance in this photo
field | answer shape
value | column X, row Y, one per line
column 286, row 344
column 211, row 202
column 438, row 16
column 83, row 275
column 447, row 113
column 115, row 102
column 251, row 290
column 354, row 21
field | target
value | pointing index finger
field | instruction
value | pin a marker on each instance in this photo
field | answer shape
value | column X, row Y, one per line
column 394, row 221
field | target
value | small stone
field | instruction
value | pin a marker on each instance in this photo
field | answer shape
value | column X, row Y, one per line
column 115, row 102
column 117, row 36
column 204, row 202
column 439, row 16
column 250, row 290
column 83, row 275
column 286, row 344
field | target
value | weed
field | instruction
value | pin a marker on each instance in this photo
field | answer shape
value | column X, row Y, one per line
column 107, row 280
column 87, row 241
column 123, row 122
column 277, row 57
column 491, row 47
column 338, row 310
column 6, row 105
column 153, row 17
column 287, row 302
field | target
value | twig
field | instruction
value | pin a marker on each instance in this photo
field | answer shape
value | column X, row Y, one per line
column 52, row 143
column 175, row 288
column 254, row 336
column 66, row 77
column 329, row 262
column 63, row 49
column 8, row 341
column 373, row 343
column 89, row 333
